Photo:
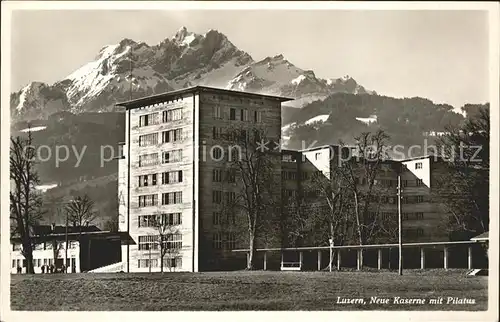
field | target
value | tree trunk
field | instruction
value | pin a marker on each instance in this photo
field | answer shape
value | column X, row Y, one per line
column 28, row 255
column 251, row 235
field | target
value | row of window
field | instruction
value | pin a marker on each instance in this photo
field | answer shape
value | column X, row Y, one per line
column 418, row 165
column 174, row 262
column 288, row 193
column 166, row 178
column 39, row 262
column 219, row 175
column 167, row 219
column 167, row 116
column 151, row 159
column 240, row 114
column 170, row 241
column 412, row 232
column 167, row 198
column 47, row 245
column 224, row 240
column 166, row 137
column 218, row 218
column 217, row 197
column 404, row 215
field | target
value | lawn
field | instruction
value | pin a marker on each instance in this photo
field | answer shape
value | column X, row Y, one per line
column 259, row 290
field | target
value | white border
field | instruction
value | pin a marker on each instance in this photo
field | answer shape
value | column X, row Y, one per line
column 490, row 315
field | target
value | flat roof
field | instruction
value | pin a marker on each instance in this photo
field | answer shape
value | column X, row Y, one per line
column 158, row 98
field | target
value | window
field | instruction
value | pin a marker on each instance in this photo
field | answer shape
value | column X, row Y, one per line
column 217, row 175
column 418, row 165
column 420, row 183
column 230, row 197
column 172, row 115
column 13, row 263
column 257, row 116
column 232, row 114
column 148, row 139
column 145, row 263
column 216, row 218
column 317, row 155
column 171, row 136
column 231, row 240
column 39, row 262
column 231, row 176
column 291, row 193
column 244, row 115
column 217, row 241
column 172, row 262
column 148, row 242
column 148, row 160
column 405, row 183
column 173, row 241
column 148, row 119
column 147, row 221
column 289, row 175
column 419, row 215
column 171, row 198
column 231, row 218
column 216, row 153
column 171, row 177
column 171, row 219
column 146, row 180
column 217, row 132
column 288, row 158
column 172, row 156
column 217, row 196
column 148, row 200
column 420, row 199
column 217, row 112
column 404, row 216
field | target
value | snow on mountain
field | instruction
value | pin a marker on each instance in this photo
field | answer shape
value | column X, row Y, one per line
column 130, row 70
column 33, row 129
column 368, row 120
column 37, row 99
column 317, row 119
column 277, row 76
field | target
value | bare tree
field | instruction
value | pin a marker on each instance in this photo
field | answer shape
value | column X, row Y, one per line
column 168, row 245
column 81, row 211
column 463, row 188
column 256, row 196
column 359, row 173
column 25, row 201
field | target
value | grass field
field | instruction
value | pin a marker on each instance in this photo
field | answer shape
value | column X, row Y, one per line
column 245, row 291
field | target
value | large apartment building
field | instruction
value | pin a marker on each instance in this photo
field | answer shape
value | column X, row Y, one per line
column 422, row 216
column 174, row 170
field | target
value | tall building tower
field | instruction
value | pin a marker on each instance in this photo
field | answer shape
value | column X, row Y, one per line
column 174, row 171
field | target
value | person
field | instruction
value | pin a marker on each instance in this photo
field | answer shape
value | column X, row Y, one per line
column 63, row 268
column 43, row 268
column 19, row 269
column 51, row 268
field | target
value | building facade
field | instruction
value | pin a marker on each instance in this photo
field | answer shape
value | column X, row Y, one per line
column 88, row 248
column 176, row 170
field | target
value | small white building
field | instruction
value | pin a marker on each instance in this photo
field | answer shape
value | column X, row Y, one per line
column 88, row 248
column 44, row 253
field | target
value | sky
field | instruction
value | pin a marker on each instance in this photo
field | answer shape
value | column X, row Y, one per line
column 439, row 55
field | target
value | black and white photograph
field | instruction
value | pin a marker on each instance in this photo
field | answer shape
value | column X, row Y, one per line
column 327, row 158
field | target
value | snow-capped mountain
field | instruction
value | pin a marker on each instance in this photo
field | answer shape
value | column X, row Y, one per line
column 276, row 75
column 133, row 69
